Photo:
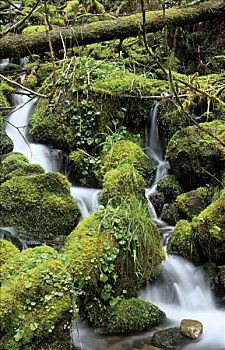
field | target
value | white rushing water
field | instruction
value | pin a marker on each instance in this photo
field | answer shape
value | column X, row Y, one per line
column 182, row 290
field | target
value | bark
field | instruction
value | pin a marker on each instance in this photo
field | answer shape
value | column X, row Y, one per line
column 120, row 28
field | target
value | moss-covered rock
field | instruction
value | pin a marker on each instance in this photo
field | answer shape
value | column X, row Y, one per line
column 182, row 241
column 125, row 151
column 16, row 164
column 7, row 251
column 125, row 316
column 122, row 184
column 114, row 250
column 196, row 157
column 169, row 187
column 34, row 304
column 39, row 206
column 23, row 262
column 6, row 144
column 191, row 203
column 209, row 231
column 204, row 237
column 82, row 168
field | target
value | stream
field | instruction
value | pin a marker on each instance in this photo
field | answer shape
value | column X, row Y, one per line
column 181, row 290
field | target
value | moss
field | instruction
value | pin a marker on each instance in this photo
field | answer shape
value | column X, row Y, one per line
column 216, row 278
column 193, row 202
column 7, row 251
column 123, row 152
column 34, row 29
column 122, row 184
column 34, row 304
column 197, row 158
column 222, row 281
column 16, row 164
column 31, row 81
column 121, row 243
column 82, row 167
column 125, row 316
column 39, row 206
column 169, row 187
column 209, row 231
column 23, row 262
column 6, row 144
column 182, row 241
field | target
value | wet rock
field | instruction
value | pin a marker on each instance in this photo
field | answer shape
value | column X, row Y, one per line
column 191, row 328
column 170, row 213
column 170, row 338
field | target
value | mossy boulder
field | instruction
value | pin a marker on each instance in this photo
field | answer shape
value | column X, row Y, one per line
column 34, row 305
column 34, row 29
column 196, row 157
column 114, row 251
column 191, row 203
column 123, row 183
column 82, row 167
column 170, row 188
column 7, row 251
column 209, row 231
column 22, row 262
column 16, row 164
column 125, row 316
column 203, row 238
column 182, row 242
column 40, row 206
column 123, row 152
column 6, row 144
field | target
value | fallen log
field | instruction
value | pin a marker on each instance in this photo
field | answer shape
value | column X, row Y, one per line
column 123, row 27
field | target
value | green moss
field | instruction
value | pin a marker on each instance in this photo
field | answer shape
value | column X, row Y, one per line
column 113, row 250
column 34, row 304
column 192, row 203
column 23, row 262
column 182, row 241
column 82, row 167
column 222, row 281
column 6, row 144
column 31, row 81
column 7, row 251
column 125, row 316
column 122, row 184
column 16, row 164
column 197, row 158
column 123, row 152
column 34, row 29
column 169, row 187
column 209, row 230
column 39, row 206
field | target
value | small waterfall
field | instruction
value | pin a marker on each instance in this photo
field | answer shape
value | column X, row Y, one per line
column 181, row 291
column 86, row 198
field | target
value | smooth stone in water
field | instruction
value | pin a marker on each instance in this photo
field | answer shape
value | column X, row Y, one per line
column 191, row 328
column 170, row 338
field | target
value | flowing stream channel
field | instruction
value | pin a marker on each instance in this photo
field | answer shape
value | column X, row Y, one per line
column 181, row 289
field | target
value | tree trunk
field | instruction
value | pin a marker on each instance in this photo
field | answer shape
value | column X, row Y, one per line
column 120, row 28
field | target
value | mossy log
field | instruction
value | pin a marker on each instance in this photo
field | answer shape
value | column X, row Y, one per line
column 120, row 28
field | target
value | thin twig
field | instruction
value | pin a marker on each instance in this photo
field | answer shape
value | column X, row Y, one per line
column 22, row 87
column 21, row 106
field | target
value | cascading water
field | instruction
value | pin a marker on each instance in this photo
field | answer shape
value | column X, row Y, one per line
column 181, row 291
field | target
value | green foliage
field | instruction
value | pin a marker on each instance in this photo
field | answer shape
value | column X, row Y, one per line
column 34, row 304
column 39, row 206
column 169, row 187
column 124, row 316
column 7, row 251
column 16, row 164
column 122, row 184
column 23, row 262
